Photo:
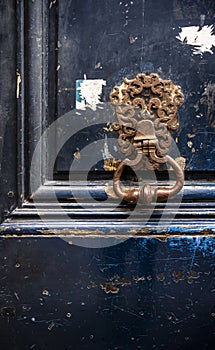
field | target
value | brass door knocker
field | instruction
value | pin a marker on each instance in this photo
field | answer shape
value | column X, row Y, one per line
column 146, row 110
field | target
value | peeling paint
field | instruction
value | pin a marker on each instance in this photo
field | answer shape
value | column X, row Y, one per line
column 189, row 144
column 161, row 277
column 202, row 40
column 138, row 278
column 191, row 135
column 77, row 155
column 18, row 82
column 178, row 276
column 132, row 39
column 109, row 288
column 112, row 285
column 111, row 164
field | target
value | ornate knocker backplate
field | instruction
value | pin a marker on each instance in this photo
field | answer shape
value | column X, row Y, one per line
column 146, row 109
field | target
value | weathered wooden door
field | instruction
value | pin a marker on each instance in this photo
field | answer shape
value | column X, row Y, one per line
column 81, row 268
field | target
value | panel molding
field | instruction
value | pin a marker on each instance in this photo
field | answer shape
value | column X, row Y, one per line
column 36, row 64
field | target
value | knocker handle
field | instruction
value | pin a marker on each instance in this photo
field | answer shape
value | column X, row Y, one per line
column 146, row 194
column 146, row 109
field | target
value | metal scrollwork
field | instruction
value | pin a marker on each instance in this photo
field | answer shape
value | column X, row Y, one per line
column 146, row 109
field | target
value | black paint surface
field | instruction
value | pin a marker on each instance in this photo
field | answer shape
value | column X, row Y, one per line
column 116, row 39
column 54, row 295
column 8, row 123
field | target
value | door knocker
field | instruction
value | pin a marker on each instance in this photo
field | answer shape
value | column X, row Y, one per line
column 146, row 110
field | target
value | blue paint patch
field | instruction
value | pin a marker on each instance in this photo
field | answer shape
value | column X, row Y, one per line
column 144, row 243
column 203, row 245
column 78, row 96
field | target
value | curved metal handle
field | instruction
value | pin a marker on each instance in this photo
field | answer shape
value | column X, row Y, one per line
column 147, row 194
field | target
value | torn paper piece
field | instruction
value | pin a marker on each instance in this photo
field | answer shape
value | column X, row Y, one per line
column 88, row 93
column 203, row 40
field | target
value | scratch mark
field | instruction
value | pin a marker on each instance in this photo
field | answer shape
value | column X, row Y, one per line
column 16, row 295
column 194, row 252
column 51, row 326
column 142, row 44
column 127, row 311
column 97, row 52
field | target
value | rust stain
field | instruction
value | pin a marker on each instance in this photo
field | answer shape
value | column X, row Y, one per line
column 9, row 232
column 189, row 280
column 112, row 231
column 138, row 278
column 192, row 275
column 113, row 284
column 191, row 135
column 109, row 288
column 149, row 278
column 160, row 277
column 178, row 276
column 67, row 231
column 120, row 281
column 138, row 231
column 92, row 284
column 206, row 231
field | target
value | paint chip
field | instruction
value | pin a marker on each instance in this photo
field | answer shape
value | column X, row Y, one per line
column 132, row 39
column 109, row 288
column 77, row 155
column 51, row 325
column 18, row 82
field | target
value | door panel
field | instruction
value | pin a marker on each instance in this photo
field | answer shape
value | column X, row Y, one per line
column 75, row 272
column 111, row 40
column 140, row 294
